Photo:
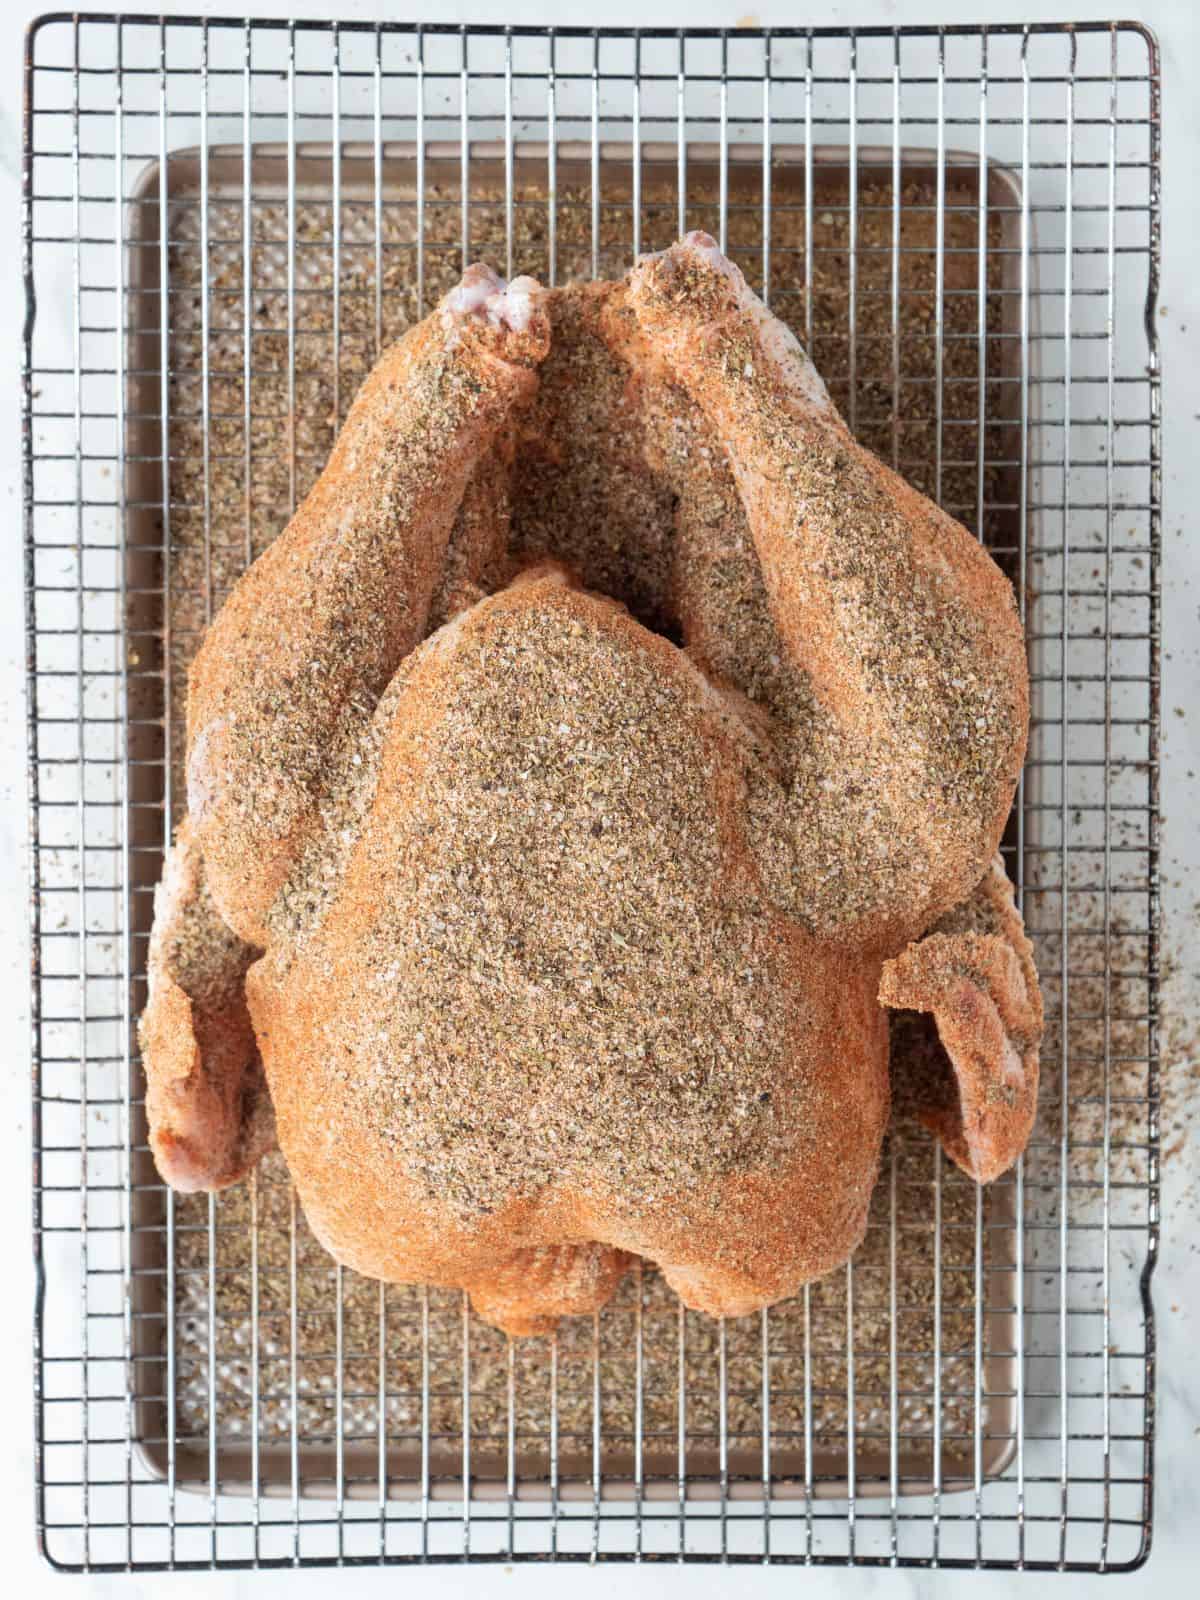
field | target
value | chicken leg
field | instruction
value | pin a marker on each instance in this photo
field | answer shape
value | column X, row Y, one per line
column 294, row 663
column 905, row 627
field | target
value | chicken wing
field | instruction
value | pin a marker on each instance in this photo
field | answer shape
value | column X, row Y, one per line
column 974, row 1054
column 206, row 1098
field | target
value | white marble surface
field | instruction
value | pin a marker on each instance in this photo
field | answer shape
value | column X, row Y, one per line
column 1177, row 1283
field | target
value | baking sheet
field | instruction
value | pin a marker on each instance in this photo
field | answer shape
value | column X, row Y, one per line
column 273, row 1337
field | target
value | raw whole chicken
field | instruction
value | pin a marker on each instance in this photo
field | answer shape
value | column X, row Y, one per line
column 605, row 745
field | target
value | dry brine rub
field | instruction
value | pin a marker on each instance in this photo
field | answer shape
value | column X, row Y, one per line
column 572, row 786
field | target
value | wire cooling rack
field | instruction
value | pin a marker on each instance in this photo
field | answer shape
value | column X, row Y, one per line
column 957, row 221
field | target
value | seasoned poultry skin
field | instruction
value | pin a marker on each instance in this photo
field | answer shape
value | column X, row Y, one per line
column 557, row 941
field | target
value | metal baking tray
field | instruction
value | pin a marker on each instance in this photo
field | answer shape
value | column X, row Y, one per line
column 646, row 1402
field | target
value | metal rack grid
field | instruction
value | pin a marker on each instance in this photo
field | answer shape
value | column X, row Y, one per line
column 1071, row 115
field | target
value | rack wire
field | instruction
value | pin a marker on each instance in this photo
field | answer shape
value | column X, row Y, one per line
column 963, row 223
